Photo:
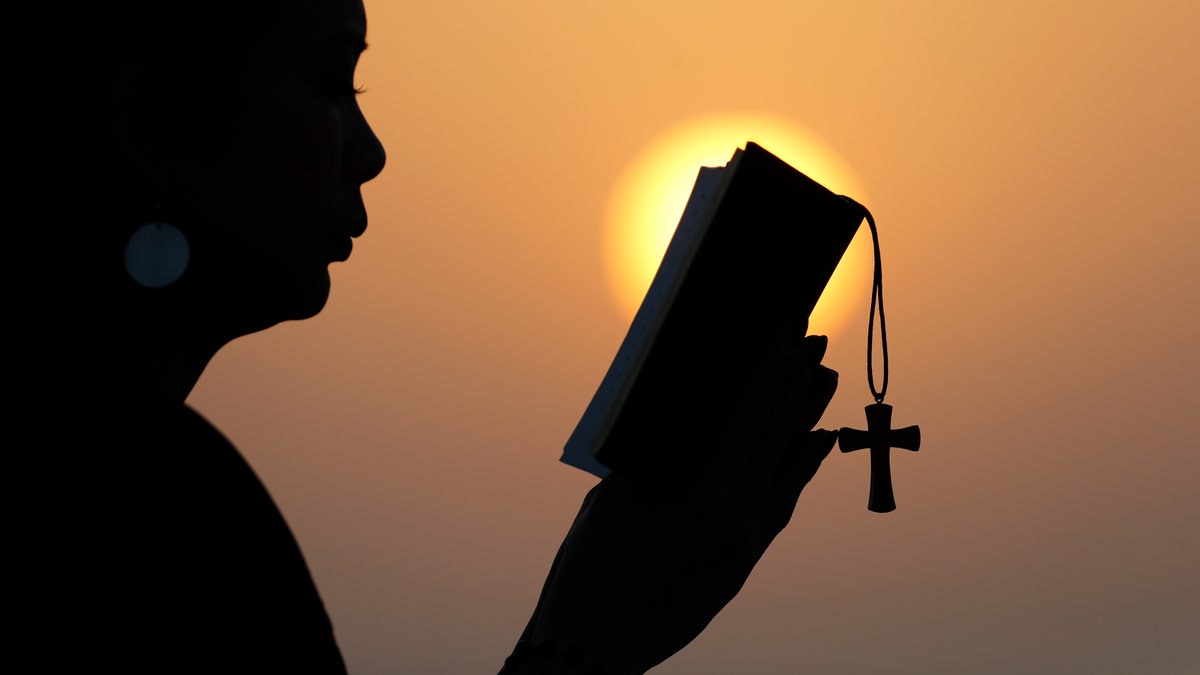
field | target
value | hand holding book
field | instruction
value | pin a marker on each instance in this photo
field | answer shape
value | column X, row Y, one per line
column 701, row 430
column 647, row 565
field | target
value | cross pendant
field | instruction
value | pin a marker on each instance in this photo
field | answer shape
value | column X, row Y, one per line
column 880, row 437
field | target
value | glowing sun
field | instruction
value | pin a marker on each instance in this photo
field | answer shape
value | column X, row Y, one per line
column 651, row 192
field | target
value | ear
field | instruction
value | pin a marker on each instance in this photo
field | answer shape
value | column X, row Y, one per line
column 136, row 115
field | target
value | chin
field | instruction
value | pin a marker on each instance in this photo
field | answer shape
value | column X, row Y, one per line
column 299, row 300
column 312, row 309
column 259, row 304
column 314, row 300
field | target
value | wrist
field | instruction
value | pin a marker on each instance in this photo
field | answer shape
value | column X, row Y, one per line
column 547, row 656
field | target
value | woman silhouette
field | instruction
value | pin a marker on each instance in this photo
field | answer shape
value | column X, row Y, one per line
column 211, row 155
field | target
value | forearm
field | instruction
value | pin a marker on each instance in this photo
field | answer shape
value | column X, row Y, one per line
column 547, row 658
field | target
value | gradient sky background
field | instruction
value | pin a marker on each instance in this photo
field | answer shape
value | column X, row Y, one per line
column 1033, row 167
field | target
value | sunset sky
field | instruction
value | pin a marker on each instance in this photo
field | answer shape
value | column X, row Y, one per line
column 1034, row 168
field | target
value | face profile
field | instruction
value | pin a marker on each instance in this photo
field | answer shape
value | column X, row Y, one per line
column 274, row 196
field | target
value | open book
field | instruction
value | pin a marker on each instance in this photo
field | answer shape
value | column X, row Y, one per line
column 754, row 249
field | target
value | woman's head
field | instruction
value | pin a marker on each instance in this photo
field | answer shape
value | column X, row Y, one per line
column 236, row 122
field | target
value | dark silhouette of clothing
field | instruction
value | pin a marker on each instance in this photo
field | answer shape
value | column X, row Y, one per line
column 155, row 543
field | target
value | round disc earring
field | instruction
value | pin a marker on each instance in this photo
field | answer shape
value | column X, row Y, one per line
column 157, row 255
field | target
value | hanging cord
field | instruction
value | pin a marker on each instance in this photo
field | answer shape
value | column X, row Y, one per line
column 876, row 302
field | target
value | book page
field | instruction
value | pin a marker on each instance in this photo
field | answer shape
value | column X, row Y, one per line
column 597, row 418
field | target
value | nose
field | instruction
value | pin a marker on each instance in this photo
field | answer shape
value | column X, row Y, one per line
column 365, row 155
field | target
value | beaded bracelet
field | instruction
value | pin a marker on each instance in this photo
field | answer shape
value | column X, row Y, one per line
column 549, row 653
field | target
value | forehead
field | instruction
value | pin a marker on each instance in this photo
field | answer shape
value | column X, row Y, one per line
column 318, row 22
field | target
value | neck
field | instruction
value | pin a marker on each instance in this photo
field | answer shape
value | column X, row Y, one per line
column 166, row 358
column 166, row 351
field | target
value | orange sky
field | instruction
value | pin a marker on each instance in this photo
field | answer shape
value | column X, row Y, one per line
column 1033, row 168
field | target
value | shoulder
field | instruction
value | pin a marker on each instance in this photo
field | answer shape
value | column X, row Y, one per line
column 148, row 513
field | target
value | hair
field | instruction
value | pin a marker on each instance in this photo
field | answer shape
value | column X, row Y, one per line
column 180, row 43
column 69, row 160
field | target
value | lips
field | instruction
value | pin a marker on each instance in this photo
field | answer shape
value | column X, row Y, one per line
column 340, row 248
column 341, row 243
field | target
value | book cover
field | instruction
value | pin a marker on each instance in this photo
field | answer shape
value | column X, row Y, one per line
column 754, row 249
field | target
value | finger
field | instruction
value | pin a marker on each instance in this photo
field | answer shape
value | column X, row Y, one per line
column 778, row 430
column 796, row 473
column 797, row 327
column 814, row 347
column 751, row 408
column 824, row 385
column 797, row 410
